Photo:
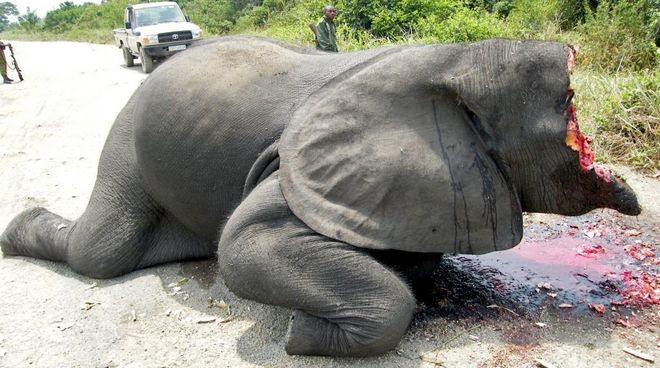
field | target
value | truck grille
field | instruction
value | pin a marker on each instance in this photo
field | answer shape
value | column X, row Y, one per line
column 174, row 36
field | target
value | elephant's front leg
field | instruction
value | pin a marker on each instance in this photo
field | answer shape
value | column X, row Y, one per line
column 346, row 303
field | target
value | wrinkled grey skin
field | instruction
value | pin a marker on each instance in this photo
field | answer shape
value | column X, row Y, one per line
column 192, row 166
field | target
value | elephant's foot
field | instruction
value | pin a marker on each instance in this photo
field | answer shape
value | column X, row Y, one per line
column 33, row 233
column 310, row 335
column 303, row 333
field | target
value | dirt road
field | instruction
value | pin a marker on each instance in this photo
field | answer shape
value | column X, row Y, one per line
column 513, row 311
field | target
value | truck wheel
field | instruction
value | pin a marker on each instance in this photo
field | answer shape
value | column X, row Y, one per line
column 128, row 58
column 147, row 61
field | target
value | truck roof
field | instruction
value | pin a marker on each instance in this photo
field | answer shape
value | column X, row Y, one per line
column 151, row 5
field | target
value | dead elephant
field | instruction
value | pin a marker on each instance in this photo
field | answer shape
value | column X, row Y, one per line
column 303, row 170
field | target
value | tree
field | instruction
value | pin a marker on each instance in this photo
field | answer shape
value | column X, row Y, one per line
column 29, row 21
column 64, row 17
column 7, row 10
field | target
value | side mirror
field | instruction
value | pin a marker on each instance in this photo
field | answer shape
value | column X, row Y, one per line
column 127, row 25
column 187, row 18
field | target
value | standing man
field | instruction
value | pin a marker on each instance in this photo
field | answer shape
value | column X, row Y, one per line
column 326, row 39
column 3, row 65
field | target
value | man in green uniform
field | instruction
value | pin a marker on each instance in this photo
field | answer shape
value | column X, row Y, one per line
column 3, row 64
column 326, row 39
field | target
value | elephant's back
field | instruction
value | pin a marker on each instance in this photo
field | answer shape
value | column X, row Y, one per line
column 203, row 117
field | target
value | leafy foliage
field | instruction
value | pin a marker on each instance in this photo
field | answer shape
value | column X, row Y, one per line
column 619, row 36
column 614, row 35
column 215, row 16
column 64, row 17
column 7, row 10
column 29, row 21
column 625, row 109
column 433, row 20
column 618, row 42
column 572, row 13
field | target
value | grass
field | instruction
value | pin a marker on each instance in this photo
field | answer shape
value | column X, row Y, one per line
column 100, row 36
column 622, row 113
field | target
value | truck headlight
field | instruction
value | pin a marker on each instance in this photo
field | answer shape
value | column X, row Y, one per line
column 146, row 40
column 197, row 33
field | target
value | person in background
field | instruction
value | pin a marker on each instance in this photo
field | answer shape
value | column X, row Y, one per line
column 3, row 64
column 326, row 38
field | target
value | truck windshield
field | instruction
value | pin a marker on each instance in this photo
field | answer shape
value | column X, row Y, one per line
column 157, row 15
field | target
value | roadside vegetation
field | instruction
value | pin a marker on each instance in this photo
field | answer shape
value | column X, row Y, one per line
column 617, row 80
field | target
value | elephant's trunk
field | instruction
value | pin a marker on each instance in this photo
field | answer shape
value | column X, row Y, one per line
column 624, row 199
column 604, row 189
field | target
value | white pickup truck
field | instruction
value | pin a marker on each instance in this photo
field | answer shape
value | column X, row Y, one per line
column 154, row 31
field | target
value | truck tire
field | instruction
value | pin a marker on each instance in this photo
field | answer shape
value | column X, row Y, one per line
column 147, row 61
column 128, row 57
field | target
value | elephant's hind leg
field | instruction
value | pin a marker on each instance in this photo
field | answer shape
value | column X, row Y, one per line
column 121, row 230
column 346, row 303
column 127, row 231
column 114, row 233
column 36, row 233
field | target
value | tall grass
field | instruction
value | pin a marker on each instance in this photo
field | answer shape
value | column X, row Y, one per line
column 622, row 113
column 102, row 36
column 616, row 82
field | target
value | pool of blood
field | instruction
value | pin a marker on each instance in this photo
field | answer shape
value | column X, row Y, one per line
column 584, row 265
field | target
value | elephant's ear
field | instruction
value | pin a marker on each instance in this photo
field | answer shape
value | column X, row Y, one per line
column 395, row 170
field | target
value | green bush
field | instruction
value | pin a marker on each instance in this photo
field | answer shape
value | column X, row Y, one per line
column 214, row 16
column 622, row 113
column 619, row 36
column 70, row 17
column 532, row 19
column 433, row 20
column 617, row 40
column 7, row 10
column 290, row 24
column 572, row 13
column 631, row 121
column 63, row 18
column 466, row 25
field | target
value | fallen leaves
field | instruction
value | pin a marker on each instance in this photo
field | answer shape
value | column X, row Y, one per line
column 598, row 308
column 641, row 288
column 206, row 319
column 590, row 250
column 628, row 323
column 212, row 303
column 65, row 326
column 178, row 315
column 544, row 364
column 545, row 286
column 432, row 357
column 640, row 251
column 640, row 355
column 495, row 306
column 89, row 305
column 179, row 283
column 632, row 232
column 226, row 319
column 175, row 288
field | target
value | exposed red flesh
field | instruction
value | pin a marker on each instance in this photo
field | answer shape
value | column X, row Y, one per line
column 580, row 143
column 572, row 51
column 641, row 288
